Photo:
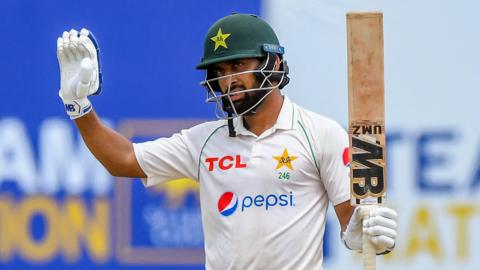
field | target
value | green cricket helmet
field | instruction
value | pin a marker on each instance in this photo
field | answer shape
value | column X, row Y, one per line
column 240, row 36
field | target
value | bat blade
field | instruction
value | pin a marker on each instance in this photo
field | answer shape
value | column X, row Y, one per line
column 366, row 116
column 366, row 107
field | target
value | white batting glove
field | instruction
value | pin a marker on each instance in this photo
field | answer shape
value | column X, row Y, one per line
column 80, row 76
column 381, row 228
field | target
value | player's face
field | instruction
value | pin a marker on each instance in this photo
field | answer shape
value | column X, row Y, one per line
column 239, row 82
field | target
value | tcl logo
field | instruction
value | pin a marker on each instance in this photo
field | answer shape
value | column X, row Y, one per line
column 225, row 163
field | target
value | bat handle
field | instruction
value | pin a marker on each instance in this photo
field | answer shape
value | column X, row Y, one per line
column 369, row 254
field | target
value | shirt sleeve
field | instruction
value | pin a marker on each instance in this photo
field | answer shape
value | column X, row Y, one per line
column 165, row 159
column 335, row 165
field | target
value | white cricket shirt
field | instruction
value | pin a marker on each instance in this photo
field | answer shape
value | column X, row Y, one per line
column 263, row 198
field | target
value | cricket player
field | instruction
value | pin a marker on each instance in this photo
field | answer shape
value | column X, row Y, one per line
column 267, row 170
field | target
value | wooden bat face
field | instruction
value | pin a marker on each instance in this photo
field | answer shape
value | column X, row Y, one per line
column 366, row 107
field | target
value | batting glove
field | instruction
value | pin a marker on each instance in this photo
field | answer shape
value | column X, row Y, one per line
column 381, row 227
column 80, row 76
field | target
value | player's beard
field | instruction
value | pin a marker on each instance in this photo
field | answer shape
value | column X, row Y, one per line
column 248, row 101
column 246, row 105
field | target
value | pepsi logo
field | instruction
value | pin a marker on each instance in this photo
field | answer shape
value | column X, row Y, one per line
column 227, row 204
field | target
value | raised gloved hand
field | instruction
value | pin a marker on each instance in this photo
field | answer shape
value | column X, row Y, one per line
column 381, row 226
column 80, row 76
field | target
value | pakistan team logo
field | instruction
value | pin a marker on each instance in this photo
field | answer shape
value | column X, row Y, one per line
column 220, row 39
column 285, row 160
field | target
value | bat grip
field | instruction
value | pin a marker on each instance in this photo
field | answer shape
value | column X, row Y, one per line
column 369, row 254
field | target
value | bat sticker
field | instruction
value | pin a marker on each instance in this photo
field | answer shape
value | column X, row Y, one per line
column 367, row 168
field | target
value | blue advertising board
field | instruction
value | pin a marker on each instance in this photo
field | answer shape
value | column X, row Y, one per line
column 59, row 209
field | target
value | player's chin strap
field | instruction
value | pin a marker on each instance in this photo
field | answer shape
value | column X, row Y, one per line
column 231, row 128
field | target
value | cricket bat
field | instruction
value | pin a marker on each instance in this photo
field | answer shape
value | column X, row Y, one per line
column 366, row 116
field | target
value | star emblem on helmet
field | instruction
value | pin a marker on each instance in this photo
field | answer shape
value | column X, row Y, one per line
column 220, row 39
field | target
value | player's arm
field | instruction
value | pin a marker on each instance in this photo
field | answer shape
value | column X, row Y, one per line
column 344, row 211
column 80, row 77
column 112, row 149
